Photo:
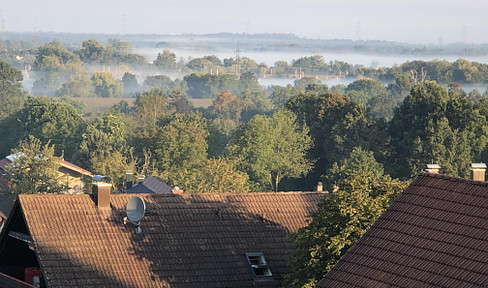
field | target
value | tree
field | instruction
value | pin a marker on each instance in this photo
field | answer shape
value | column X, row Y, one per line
column 217, row 175
column 103, row 148
column 34, row 168
column 272, row 148
column 166, row 60
column 342, row 217
column 150, row 107
column 80, row 86
column 50, row 121
column 362, row 90
column 92, row 51
column 130, row 82
column 105, row 85
column 12, row 96
column 181, row 145
column 431, row 125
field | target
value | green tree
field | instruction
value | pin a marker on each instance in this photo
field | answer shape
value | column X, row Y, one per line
column 217, row 175
column 106, row 86
column 181, row 145
column 12, row 95
column 34, row 169
column 342, row 217
column 362, row 90
column 130, row 82
column 272, row 148
column 92, row 51
column 161, row 82
column 80, row 86
column 150, row 108
column 50, row 121
column 104, row 149
column 166, row 60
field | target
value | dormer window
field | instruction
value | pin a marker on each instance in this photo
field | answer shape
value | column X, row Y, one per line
column 259, row 266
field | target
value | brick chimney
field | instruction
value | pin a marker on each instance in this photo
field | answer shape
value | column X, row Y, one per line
column 101, row 186
column 128, row 179
column 433, row 168
column 478, row 171
column 320, row 187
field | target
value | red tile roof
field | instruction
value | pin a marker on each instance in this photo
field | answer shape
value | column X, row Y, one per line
column 186, row 240
column 434, row 235
column 75, row 168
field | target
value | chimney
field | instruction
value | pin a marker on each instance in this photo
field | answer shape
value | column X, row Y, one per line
column 140, row 179
column 128, row 179
column 433, row 168
column 478, row 171
column 320, row 187
column 101, row 187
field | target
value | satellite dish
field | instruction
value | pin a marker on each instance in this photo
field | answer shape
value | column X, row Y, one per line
column 135, row 209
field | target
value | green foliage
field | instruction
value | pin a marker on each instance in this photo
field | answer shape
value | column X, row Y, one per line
column 104, row 149
column 34, row 168
column 92, row 51
column 130, row 82
column 80, row 86
column 181, row 145
column 432, row 126
column 105, row 85
column 364, row 192
column 272, row 148
column 166, row 60
column 150, row 108
column 213, row 176
column 50, row 121
column 12, row 96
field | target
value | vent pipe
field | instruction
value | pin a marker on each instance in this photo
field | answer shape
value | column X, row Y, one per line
column 478, row 171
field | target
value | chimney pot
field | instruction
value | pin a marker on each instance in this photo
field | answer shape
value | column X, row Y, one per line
column 478, row 171
column 128, row 179
column 433, row 168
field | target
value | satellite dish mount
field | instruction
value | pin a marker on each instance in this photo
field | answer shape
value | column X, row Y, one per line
column 135, row 210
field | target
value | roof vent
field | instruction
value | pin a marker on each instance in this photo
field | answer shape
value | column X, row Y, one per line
column 135, row 210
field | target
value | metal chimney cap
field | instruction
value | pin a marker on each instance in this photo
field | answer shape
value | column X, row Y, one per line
column 433, row 166
column 101, row 178
column 478, row 165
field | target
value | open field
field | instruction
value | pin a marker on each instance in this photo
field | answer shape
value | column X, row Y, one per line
column 102, row 104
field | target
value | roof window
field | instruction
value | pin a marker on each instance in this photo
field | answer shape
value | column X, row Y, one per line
column 259, row 266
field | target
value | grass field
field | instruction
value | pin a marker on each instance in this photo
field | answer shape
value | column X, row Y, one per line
column 102, row 104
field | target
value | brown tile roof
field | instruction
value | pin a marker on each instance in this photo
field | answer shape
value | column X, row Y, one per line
column 434, row 235
column 186, row 240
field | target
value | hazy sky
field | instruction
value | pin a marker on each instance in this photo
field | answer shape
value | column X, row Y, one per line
column 418, row 21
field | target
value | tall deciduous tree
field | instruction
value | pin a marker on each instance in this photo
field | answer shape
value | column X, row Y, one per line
column 106, row 86
column 341, row 217
column 272, row 148
column 34, row 168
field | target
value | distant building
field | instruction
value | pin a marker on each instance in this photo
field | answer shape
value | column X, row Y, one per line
column 435, row 234
column 187, row 240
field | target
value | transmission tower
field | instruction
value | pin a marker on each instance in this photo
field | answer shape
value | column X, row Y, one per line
column 238, row 60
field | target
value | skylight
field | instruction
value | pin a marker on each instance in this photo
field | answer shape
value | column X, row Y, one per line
column 259, row 266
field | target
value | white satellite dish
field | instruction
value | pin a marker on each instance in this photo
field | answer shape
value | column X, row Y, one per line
column 135, row 210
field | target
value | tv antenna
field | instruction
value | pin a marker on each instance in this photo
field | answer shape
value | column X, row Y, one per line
column 135, row 210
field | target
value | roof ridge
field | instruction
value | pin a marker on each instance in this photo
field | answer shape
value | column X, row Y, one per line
column 454, row 178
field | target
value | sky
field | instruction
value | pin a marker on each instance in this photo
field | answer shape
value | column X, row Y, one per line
column 411, row 21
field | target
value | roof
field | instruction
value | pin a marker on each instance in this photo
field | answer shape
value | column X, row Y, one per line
column 63, row 163
column 150, row 185
column 6, row 205
column 75, row 168
column 198, row 240
column 435, row 234
column 10, row 282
